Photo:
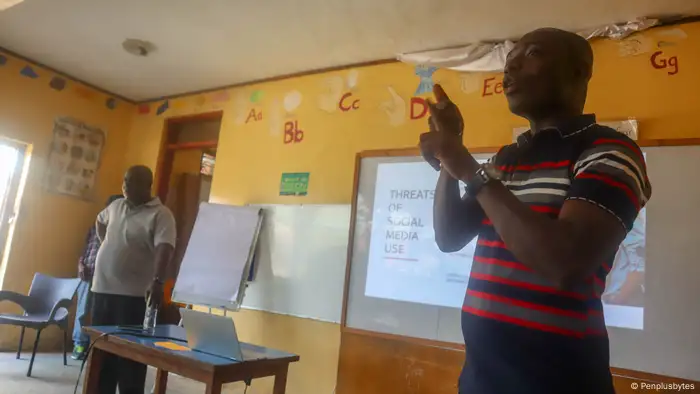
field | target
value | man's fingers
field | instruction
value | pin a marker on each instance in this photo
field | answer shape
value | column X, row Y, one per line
column 432, row 107
column 432, row 125
column 427, row 142
column 434, row 115
column 440, row 94
column 425, row 137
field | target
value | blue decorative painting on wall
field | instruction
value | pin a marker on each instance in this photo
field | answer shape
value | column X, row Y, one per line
column 29, row 72
column 163, row 107
column 425, row 73
column 111, row 103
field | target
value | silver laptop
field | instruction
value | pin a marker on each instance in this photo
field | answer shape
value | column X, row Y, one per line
column 211, row 334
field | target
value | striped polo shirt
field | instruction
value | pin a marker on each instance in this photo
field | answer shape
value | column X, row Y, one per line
column 522, row 334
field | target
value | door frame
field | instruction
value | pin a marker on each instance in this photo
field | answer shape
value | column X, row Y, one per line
column 169, row 146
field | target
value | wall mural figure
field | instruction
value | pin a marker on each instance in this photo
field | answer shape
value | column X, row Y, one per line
column 331, row 91
column 426, row 79
column 281, row 110
column 394, row 107
column 292, row 101
column 469, row 82
column 256, row 96
column 333, row 88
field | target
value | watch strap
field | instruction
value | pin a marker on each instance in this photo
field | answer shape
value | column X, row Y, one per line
column 477, row 182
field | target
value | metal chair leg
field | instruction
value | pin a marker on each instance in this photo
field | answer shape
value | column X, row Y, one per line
column 65, row 347
column 36, row 344
column 21, row 339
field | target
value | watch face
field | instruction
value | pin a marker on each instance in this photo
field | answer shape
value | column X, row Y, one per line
column 492, row 171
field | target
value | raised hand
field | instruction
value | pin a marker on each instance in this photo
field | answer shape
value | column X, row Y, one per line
column 443, row 143
column 444, row 114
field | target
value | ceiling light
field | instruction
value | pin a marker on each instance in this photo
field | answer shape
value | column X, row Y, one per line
column 137, row 47
column 5, row 4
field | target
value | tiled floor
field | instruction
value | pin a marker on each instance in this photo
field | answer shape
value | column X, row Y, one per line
column 51, row 377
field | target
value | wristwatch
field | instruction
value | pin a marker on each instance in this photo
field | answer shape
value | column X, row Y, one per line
column 484, row 175
column 158, row 280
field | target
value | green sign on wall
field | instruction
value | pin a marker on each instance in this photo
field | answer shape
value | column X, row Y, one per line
column 294, row 184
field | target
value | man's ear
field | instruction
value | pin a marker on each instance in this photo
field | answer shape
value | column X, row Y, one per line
column 581, row 72
column 576, row 72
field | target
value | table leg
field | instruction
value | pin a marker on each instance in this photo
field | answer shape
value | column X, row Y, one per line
column 281, row 381
column 92, row 376
column 161, row 382
column 214, row 388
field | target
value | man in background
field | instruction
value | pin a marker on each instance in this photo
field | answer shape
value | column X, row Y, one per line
column 138, row 239
column 86, row 267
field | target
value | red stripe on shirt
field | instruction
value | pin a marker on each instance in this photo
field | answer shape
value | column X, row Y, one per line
column 609, row 181
column 545, row 209
column 520, row 322
column 538, row 166
column 527, row 305
column 487, row 222
column 592, row 331
column 491, row 244
column 634, row 148
column 528, row 286
column 598, row 280
column 509, row 264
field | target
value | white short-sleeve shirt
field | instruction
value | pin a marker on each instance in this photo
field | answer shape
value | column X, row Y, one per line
column 125, row 263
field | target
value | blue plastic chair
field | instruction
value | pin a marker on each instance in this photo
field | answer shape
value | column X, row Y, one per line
column 47, row 304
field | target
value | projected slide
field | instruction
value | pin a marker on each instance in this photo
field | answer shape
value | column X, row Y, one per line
column 405, row 264
column 623, row 299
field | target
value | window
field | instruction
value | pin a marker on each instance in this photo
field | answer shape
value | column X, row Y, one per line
column 8, row 163
column 13, row 161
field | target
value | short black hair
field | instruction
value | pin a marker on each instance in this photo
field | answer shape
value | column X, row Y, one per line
column 578, row 50
column 141, row 171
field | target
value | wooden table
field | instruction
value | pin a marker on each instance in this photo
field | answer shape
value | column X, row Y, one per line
column 211, row 370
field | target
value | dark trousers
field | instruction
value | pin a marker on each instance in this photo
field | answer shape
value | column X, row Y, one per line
column 113, row 310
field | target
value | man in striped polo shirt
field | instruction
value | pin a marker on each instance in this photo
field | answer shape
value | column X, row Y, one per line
column 549, row 211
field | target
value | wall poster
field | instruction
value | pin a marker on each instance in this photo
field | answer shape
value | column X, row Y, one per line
column 294, row 184
column 74, row 158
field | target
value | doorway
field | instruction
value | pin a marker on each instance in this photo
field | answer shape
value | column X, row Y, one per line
column 13, row 160
column 184, row 178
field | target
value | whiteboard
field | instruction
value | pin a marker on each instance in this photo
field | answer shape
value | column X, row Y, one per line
column 300, row 261
column 217, row 259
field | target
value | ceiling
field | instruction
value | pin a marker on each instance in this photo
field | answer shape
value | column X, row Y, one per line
column 203, row 44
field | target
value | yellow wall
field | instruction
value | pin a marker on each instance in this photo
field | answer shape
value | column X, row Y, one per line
column 50, row 228
column 251, row 156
